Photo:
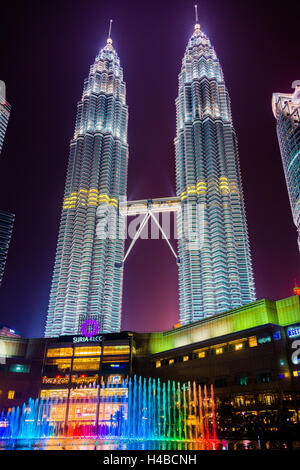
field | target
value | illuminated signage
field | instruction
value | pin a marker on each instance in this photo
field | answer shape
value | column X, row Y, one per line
column 297, row 290
column 86, row 339
column 90, row 328
column 58, row 380
column 293, row 331
column 295, row 356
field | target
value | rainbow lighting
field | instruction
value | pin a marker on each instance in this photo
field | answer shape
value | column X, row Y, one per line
column 134, row 409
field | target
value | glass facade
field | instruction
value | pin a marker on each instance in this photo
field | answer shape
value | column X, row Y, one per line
column 286, row 109
column 215, row 269
column 88, row 272
column 6, row 228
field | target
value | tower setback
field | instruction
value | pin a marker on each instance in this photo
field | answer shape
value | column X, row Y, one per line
column 215, row 269
column 88, row 272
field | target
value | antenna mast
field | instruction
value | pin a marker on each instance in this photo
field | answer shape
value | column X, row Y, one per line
column 109, row 31
column 196, row 14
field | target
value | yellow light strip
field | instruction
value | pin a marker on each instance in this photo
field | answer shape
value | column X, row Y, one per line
column 88, row 198
column 201, row 188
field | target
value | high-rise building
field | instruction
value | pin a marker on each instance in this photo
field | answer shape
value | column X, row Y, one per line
column 215, row 269
column 88, row 272
column 4, row 116
column 286, row 109
column 6, row 228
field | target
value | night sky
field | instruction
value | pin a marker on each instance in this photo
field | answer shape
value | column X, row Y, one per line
column 47, row 48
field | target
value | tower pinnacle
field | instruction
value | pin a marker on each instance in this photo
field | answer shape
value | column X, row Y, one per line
column 197, row 25
column 109, row 40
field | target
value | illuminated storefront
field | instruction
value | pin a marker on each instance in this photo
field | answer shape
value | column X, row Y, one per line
column 251, row 355
column 90, row 378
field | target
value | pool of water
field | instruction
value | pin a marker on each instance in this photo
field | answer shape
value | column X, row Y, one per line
column 122, row 444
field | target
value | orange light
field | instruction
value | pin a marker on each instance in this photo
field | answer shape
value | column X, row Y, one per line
column 297, row 290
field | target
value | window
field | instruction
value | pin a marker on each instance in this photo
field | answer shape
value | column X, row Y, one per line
column 264, row 377
column 19, row 368
column 61, row 393
column 88, row 351
column 241, row 380
column 200, row 353
column 171, row 361
column 239, row 400
column 264, row 339
column 238, row 346
column 185, row 358
column 11, row 394
column 252, row 341
column 65, row 352
column 267, row 399
column 158, row 364
column 87, row 363
column 58, row 364
column 222, row 382
column 116, row 350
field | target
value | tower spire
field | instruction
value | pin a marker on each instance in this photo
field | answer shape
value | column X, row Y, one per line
column 196, row 14
column 109, row 31
column 197, row 25
column 109, row 39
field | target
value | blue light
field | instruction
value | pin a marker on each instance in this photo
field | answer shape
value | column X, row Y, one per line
column 276, row 335
column 293, row 331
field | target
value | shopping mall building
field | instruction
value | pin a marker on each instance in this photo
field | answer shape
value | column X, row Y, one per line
column 251, row 355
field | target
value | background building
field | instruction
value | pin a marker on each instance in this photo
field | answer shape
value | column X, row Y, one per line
column 88, row 272
column 215, row 272
column 286, row 109
column 4, row 116
column 6, row 228
column 6, row 331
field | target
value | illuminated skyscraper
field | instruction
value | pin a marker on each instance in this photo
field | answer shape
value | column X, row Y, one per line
column 87, row 279
column 286, row 109
column 4, row 116
column 6, row 228
column 215, row 269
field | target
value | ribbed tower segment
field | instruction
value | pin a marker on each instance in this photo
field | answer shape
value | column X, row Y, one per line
column 215, row 271
column 86, row 280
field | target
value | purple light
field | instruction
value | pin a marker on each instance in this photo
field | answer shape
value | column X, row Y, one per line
column 90, row 328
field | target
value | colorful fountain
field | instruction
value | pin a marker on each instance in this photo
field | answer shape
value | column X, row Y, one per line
column 134, row 409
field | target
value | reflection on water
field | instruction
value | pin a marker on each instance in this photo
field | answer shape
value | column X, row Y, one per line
column 122, row 444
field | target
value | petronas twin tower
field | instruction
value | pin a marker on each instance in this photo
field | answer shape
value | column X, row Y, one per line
column 215, row 271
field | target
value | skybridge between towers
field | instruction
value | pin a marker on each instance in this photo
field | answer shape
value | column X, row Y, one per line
column 149, row 207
